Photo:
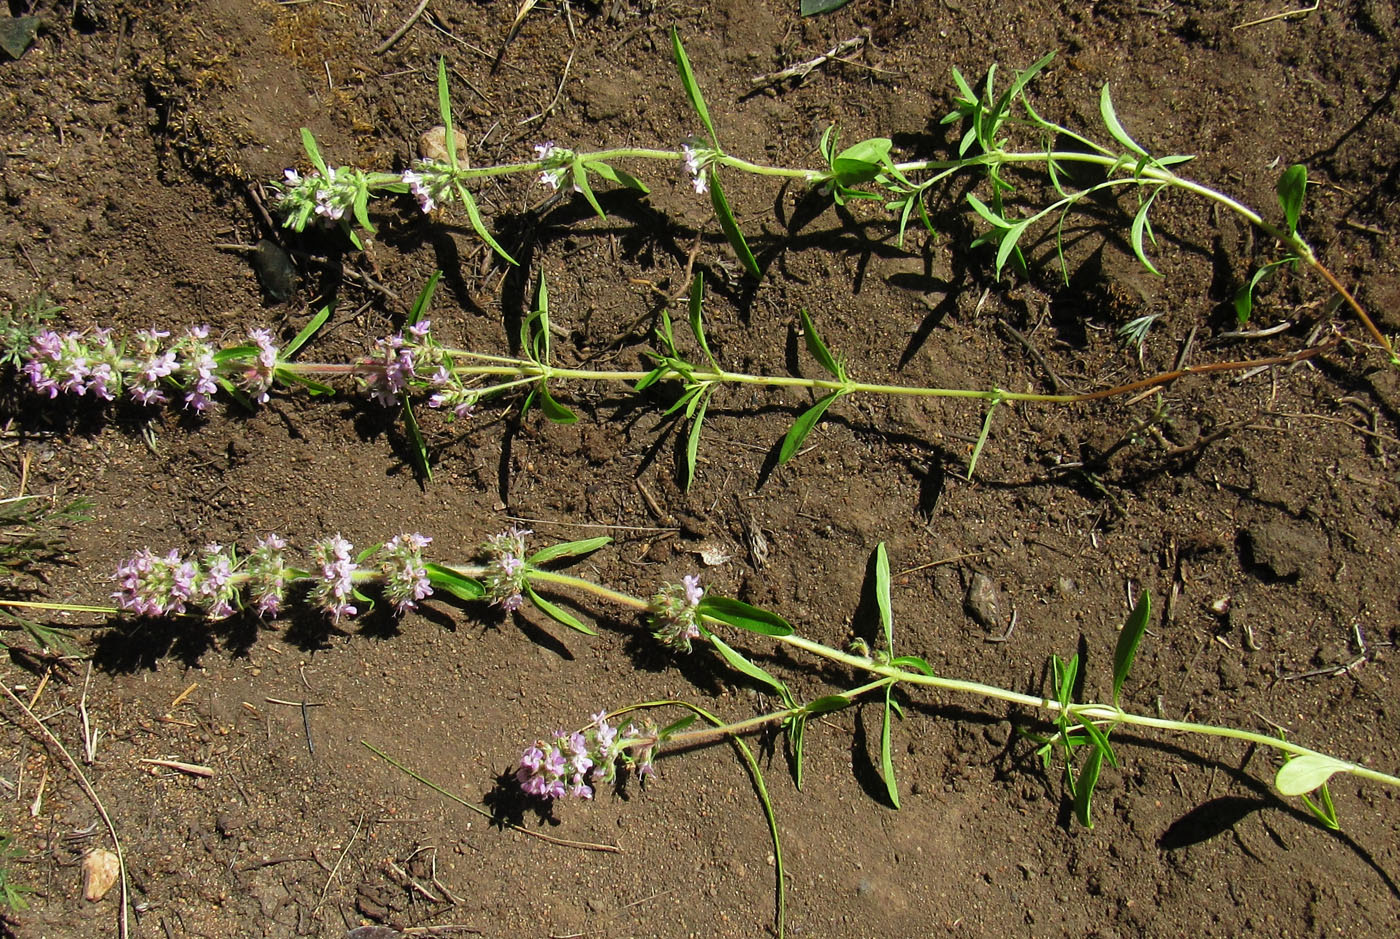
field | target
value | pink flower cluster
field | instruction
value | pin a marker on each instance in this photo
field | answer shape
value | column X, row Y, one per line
column 574, row 763
column 221, row 582
column 149, row 367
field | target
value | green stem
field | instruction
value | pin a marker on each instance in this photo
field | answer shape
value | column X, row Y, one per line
column 1090, row 711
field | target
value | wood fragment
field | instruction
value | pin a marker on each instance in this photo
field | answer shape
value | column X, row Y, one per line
column 194, row 769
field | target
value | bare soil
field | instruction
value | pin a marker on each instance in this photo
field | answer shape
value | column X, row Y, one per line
column 132, row 139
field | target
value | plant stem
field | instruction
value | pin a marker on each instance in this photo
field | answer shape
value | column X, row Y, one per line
column 1090, row 711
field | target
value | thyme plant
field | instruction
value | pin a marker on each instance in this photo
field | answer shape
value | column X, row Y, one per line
column 411, row 367
column 219, row 582
column 865, row 170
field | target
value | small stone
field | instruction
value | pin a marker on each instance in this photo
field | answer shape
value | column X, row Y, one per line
column 100, row 871
column 984, row 602
column 433, row 144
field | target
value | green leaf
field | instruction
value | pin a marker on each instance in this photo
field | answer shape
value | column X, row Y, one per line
column 288, row 377
column 555, row 613
column 1084, row 787
column 425, row 297
column 1142, row 226
column 675, row 727
column 1110, row 120
column 818, row 350
column 797, row 732
column 552, row 409
column 886, row 756
column 307, row 331
column 478, row 225
column 568, row 549
column 813, row 7
column 445, row 109
column 1323, row 809
column 826, row 704
column 882, row 595
column 797, row 434
column 1244, row 297
column 741, row 615
column 581, row 184
column 464, row 588
column 982, row 209
column 1022, row 79
column 1097, row 738
column 692, row 88
column 1303, row 774
column 415, row 439
column 861, row 162
column 227, row 353
column 621, row 177
column 730, row 226
column 692, row 440
column 1128, row 638
column 740, row 664
column 16, row 35
column 314, row 152
column 1008, row 242
column 1064, row 675
column 1292, row 185
column 912, row 661
column 697, row 324
column 982, row 437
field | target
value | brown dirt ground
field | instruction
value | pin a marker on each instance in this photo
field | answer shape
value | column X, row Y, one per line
column 130, row 134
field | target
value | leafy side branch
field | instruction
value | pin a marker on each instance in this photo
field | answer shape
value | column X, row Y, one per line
column 865, row 170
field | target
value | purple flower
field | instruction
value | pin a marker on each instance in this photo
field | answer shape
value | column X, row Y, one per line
column 674, row 617
column 405, row 578
column 505, row 571
column 430, row 183
column 256, row 374
column 216, row 582
column 390, row 369
column 695, row 162
column 335, row 586
column 267, row 575
column 149, row 585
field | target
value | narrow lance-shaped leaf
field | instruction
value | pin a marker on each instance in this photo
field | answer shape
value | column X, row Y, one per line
column 479, row 226
column 882, row 595
column 555, row 613
column 614, row 175
column 459, row 585
column 692, row 440
column 313, row 151
column 731, row 228
column 697, row 321
column 424, row 299
column 568, row 549
column 739, row 663
column 797, row 434
column 580, row 177
column 307, row 331
column 1292, row 186
column 1128, row 639
column 1084, row 787
column 1110, row 120
column 818, row 350
column 1142, row 226
column 741, row 615
column 416, row 442
column 886, row 752
column 445, row 109
column 692, row 88
column 552, row 409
